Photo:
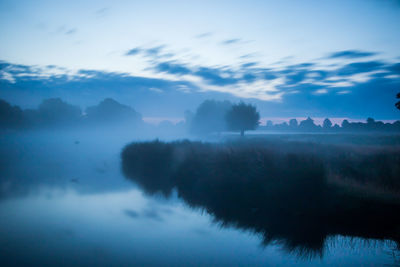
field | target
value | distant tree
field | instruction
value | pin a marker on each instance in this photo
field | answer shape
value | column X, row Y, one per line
column 210, row 117
column 370, row 121
column 371, row 125
column 336, row 127
column 269, row 123
column 282, row 126
column 293, row 123
column 55, row 111
column 327, row 124
column 242, row 117
column 345, row 125
column 10, row 116
column 398, row 102
column 110, row 110
column 308, row 125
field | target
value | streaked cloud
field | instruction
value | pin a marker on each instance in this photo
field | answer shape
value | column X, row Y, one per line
column 351, row 54
column 231, row 41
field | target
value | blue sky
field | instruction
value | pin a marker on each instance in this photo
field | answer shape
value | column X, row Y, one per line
column 301, row 56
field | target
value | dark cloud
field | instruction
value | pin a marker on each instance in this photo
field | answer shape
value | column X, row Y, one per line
column 215, row 76
column 231, row 41
column 133, row 51
column 269, row 75
column 301, row 65
column 249, row 64
column 248, row 77
column 359, row 67
column 148, row 52
column 395, row 68
column 172, row 68
column 351, row 54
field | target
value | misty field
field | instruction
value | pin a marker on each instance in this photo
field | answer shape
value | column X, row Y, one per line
column 296, row 193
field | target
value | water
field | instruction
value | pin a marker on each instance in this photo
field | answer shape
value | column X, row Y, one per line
column 66, row 203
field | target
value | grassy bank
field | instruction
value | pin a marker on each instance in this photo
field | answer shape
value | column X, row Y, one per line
column 294, row 193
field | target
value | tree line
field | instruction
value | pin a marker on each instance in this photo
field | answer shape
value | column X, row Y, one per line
column 219, row 116
column 308, row 125
column 55, row 112
column 210, row 117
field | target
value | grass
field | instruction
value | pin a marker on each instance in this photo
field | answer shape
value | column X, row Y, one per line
column 293, row 193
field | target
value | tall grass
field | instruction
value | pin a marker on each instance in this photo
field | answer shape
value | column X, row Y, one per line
column 293, row 193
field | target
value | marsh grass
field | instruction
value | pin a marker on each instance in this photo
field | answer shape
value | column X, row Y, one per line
column 292, row 193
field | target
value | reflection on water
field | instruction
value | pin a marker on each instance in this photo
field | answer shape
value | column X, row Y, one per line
column 279, row 191
column 128, row 228
column 68, row 204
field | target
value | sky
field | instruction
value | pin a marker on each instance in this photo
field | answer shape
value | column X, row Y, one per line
column 290, row 58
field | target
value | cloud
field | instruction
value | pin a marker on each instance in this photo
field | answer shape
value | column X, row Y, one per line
column 354, row 88
column 172, row 68
column 215, row 76
column 203, row 35
column 249, row 64
column 133, row 51
column 359, row 67
column 351, row 54
column 231, row 41
column 66, row 30
column 151, row 52
column 102, row 12
column 71, row 31
column 154, row 51
column 395, row 68
column 320, row 91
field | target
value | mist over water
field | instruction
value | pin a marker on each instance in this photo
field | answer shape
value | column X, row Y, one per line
column 199, row 133
column 64, row 192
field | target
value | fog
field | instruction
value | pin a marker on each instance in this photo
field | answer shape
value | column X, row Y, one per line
column 298, row 194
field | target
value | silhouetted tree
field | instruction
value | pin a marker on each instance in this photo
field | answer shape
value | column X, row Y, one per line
column 10, row 116
column 398, row 102
column 293, row 123
column 308, row 125
column 327, row 124
column 210, row 117
column 345, row 125
column 371, row 121
column 110, row 110
column 55, row 111
column 242, row 117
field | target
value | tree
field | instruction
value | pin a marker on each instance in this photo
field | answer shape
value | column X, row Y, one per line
column 293, row 123
column 327, row 124
column 210, row 117
column 54, row 111
column 370, row 121
column 398, row 102
column 242, row 117
column 308, row 125
column 10, row 116
column 111, row 111
column 345, row 124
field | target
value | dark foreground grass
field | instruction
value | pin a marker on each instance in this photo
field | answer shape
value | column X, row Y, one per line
column 293, row 193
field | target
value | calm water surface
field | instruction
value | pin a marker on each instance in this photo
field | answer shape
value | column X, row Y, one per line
column 64, row 201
